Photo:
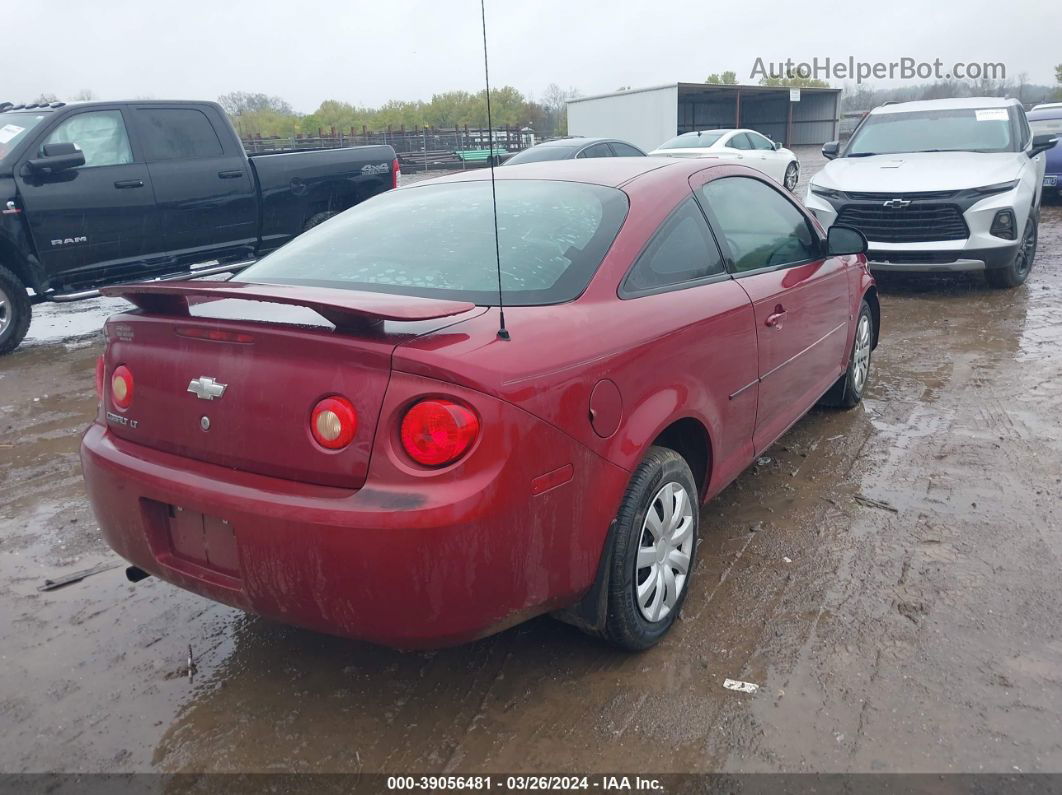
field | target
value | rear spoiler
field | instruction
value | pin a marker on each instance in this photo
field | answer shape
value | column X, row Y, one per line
column 342, row 308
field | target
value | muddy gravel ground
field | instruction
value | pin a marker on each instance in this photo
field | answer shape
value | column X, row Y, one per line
column 889, row 576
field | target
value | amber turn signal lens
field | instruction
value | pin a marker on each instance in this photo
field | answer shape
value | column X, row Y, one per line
column 122, row 387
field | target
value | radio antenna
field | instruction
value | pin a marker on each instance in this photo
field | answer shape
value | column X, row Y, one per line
column 503, row 333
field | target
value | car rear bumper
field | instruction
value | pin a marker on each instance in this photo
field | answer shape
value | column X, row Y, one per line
column 409, row 567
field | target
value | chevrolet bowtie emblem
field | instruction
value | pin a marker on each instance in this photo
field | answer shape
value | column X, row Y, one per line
column 206, row 388
column 895, row 203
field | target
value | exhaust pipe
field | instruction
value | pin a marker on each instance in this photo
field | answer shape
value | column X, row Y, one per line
column 135, row 574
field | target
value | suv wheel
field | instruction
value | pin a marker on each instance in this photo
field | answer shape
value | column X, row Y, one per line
column 792, row 177
column 15, row 311
column 652, row 558
column 1017, row 271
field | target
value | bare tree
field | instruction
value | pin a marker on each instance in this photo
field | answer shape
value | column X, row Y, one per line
column 84, row 95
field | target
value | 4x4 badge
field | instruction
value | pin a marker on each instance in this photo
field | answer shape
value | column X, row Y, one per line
column 206, row 388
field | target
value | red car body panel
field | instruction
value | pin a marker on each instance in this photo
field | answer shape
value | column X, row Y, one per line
column 362, row 541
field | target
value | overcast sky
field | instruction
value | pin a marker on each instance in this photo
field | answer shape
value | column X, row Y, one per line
column 368, row 52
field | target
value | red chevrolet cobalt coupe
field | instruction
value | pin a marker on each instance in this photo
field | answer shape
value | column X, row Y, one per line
column 342, row 439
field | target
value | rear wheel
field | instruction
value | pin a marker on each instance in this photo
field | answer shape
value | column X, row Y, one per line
column 792, row 177
column 653, row 553
column 1017, row 271
column 15, row 311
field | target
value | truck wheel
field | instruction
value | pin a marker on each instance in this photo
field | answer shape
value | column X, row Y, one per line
column 1017, row 271
column 652, row 558
column 319, row 218
column 15, row 311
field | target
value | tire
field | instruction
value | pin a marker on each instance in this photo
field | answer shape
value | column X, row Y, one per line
column 15, row 311
column 1015, row 274
column 659, row 479
column 319, row 218
column 792, row 177
column 847, row 392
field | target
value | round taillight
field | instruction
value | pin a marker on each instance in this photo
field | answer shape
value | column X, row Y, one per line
column 333, row 422
column 122, row 387
column 437, row 432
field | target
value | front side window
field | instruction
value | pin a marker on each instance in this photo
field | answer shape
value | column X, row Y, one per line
column 437, row 241
column 945, row 130
column 177, row 134
column 762, row 228
column 538, row 154
column 626, row 150
column 101, row 135
column 682, row 250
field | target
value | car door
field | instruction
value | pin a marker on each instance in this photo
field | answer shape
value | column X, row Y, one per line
column 679, row 287
column 206, row 195
column 95, row 217
column 800, row 296
column 763, row 153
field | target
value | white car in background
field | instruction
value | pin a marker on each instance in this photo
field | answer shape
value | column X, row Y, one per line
column 746, row 147
column 939, row 185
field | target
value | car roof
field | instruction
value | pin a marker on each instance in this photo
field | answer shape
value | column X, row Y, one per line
column 1046, row 112
column 572, row 142
column 957, row 103
column 610, row 172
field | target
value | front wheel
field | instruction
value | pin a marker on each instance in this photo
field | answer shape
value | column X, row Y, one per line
column 15, row 311
column 1017, row 271
column 653, row 553
column 792, row 177
column 847, row 392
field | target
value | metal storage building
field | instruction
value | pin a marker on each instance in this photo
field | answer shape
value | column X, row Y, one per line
column 649, row 116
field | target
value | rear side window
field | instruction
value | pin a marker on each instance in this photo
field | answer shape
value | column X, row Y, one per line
column 437, row 241
column 178, row 133
column 626, row 150
column 597, row 150
column 739, row 141
column 762, row 228
column 682, row 250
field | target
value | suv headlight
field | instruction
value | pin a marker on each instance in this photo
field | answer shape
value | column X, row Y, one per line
column 826, row 193
column 999, row 187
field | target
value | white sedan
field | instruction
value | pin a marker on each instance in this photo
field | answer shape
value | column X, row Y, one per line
column 747, row 147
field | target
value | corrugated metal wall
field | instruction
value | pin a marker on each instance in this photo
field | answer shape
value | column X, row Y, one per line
column 814, row 119
column 645, row 118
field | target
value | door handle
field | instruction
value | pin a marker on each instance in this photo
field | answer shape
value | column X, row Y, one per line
column 129, row 183
column 776, row 318
column 230, row 174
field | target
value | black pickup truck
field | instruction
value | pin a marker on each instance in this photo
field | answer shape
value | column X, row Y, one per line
column 98, row 193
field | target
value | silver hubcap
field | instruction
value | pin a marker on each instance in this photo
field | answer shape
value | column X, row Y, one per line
column 861, row 354
column 664, row 552
column 5, row 311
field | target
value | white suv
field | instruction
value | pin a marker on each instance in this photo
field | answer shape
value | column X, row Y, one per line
column 939, row 185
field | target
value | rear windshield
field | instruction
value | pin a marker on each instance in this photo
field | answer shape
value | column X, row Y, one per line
column 692, row 141
column 1046, row 126
column 437, row 241
column 953, row 130
column 539, row 153
column 14, row 127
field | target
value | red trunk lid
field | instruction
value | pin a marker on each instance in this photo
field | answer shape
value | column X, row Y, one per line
column 273, row 373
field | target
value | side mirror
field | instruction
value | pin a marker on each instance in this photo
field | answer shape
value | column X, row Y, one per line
column 830, row 149
column 842, row 240
column 777, row 145
column 1041, row 143
column 58, row 157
